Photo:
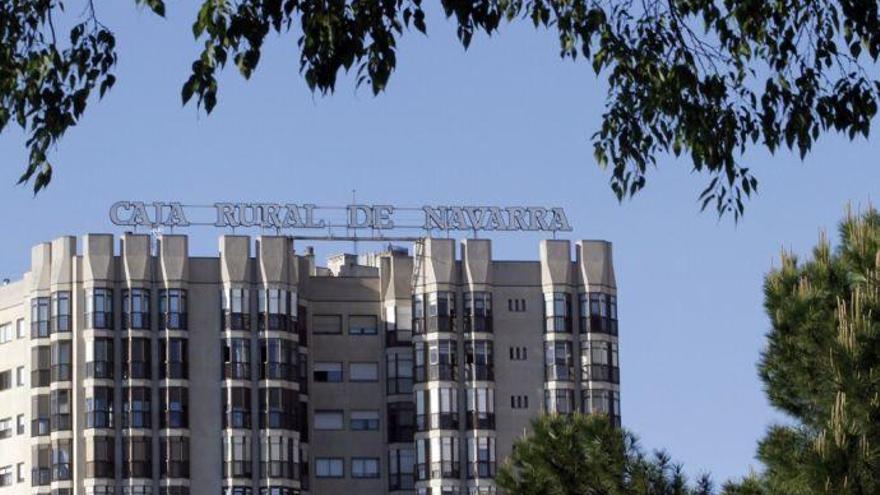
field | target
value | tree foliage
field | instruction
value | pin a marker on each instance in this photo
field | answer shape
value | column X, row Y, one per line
column 822, row 366
column 584, row 455
column 707, row 79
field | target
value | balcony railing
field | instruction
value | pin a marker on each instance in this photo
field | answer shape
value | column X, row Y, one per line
column 480, row 420
column 279, row 371
column 601, row 373
column 598, row 324
column 481, row 469
column 437, row 421
column 478, row 324
column 99, row 369
column 173, row 321
column 237, row 371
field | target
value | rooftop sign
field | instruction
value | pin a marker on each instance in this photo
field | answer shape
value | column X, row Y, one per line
column 285, row 216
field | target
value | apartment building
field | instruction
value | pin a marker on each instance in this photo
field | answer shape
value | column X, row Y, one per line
column 139, row 369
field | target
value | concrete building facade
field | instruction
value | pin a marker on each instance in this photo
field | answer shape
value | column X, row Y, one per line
column 142, row 370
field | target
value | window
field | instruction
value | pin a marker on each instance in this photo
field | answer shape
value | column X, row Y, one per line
column 5, row 380
column 519, row 353
column 19, row 376
column 598, row 313
column 136, row 359
column 99, row 358
column 401, row 422
column 278, row 408
column 137, row 490
column 61, row 453
column 481, row 457
column 172, row 309
column 19, row 328
column 441, row 312
column 364, row 420
column 478, row 311
column 363, row 372
column 107, row 490
column 59, row 408
column 329, row 372
column 173, row 356
column 274, row 310
column 362, row 325
column 237, row 457
column 99, row 309
column 559, row 401
column 19, row 424
column 174, row 403
column 236, row 309
column 237, row 490
column 401, row 463
column 41, row 367
column 329, row 467
column 99, row 407
column 41, row 469
column 137, row 453
column 327, row 325
column 443, row 453
column 364, row 467
column 39, row 317
column 437, row 408
column 516, row 305
column 6, row 476
column 479, row 360
column 237, row 359
column 559, row 362
column 418, row 314
column 278, row 360
column 19, row 472
column 237, row 407
column 136, row 407
column 40, row 415
column 441, row 358
column 5, row 428
column 599, row 360
column 557, row 312
column 279, row 457
column 61, row 311
column 136, row 309
column 602, row 402
column 328, row 420
column 398, row 373
column 61, row 355
column 175, row 457
column 519, row 401
column 480, row 408
column 100, row 455
column 398, row 320
column 6, row 333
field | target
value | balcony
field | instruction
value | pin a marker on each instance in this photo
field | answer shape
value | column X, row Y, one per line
column 598, row 324
column 437, row 421
column 480, row 420
column 173, row 321
column 478, row 324
column 601, row 373
column 481, row 469
column 279, row 371
column 237, row 371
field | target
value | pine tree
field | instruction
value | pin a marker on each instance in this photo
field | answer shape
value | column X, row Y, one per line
column 584, row 455
column 822, row 366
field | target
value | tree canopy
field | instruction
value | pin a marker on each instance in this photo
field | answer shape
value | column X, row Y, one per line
column 822, row 366
column 707, row 79
column 581, row 454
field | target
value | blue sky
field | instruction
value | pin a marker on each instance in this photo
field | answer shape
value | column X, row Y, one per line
column 507, row 122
